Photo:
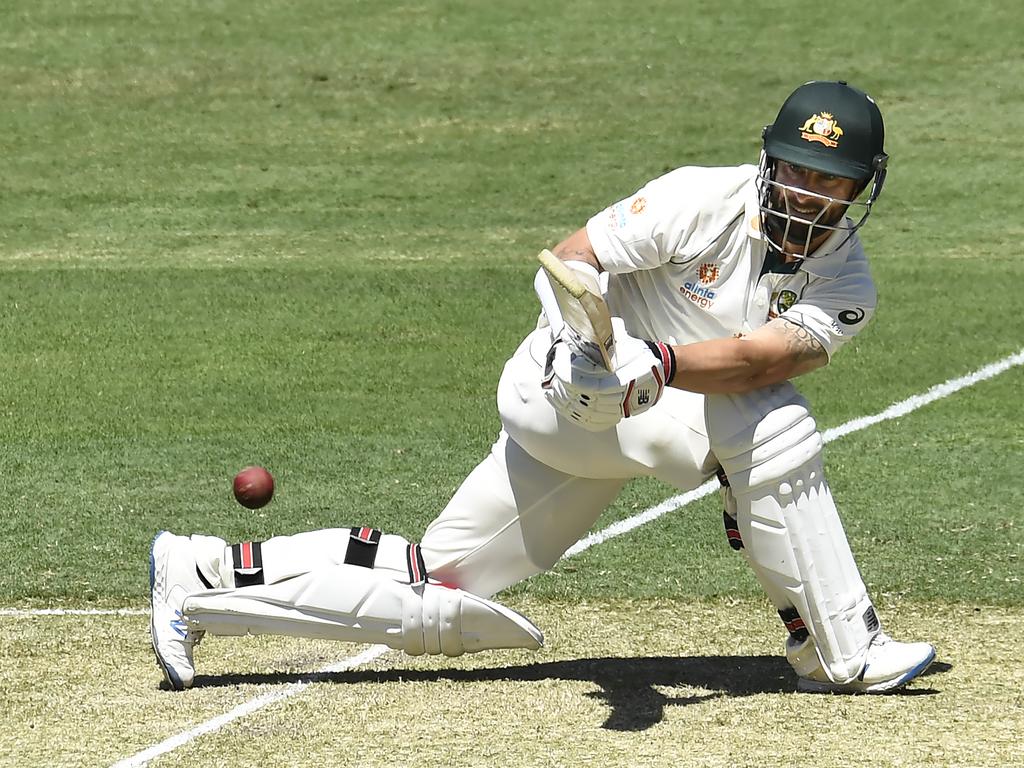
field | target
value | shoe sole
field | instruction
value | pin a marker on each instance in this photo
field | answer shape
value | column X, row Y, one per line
column 172, row 679
column 887, row 686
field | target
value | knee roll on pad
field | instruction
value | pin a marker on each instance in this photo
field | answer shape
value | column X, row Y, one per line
column 431, row 622
column 769, row 446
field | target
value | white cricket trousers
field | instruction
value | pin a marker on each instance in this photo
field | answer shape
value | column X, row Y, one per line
column 546, row 480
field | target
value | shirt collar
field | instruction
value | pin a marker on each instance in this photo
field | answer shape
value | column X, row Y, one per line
column 833, row 254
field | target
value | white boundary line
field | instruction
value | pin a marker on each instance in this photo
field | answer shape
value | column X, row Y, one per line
column 894, row 411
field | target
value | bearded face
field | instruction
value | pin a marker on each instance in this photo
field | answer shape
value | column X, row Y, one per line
column 801, row 207
column 807, row 216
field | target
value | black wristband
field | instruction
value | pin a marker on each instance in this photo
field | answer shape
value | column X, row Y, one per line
column 667, row 355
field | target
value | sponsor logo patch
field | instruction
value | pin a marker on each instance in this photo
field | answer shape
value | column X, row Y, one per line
column 821, row 127
column 617, row 217
column 851, row 316
column 178, row 624
column 701, row 296
column 708, row 273
column 618, row 212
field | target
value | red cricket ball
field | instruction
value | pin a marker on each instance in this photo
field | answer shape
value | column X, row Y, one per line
column 254, row 487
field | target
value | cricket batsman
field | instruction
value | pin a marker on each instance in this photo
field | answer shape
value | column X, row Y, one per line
column 721, row 285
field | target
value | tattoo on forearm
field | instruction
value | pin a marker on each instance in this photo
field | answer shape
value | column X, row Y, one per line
column 801, row 344
column 577, row 254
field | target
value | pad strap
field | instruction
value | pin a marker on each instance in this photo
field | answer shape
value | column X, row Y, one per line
column 732, row 526
column 247, row 560
column 732, row 530
column 362, row 547
column 414, row 562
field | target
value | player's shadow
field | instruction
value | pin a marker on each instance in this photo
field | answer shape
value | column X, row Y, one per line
column 631, row 687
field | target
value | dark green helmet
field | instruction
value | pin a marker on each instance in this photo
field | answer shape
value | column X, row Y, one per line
column 834, row 129
column 829, row 127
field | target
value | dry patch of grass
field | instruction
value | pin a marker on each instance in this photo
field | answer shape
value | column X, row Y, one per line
column 639, row 683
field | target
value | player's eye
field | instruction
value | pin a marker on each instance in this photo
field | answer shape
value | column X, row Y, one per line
column 796, row 171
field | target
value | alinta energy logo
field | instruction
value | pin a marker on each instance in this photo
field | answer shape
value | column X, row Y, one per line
column 699, row 292
column 822, row 128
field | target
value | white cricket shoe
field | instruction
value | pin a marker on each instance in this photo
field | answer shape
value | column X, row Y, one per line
column 889, row 665
column 172, row 577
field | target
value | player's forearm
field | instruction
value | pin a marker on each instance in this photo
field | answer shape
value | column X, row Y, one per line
column 731, row 366
column 577, row 247
column 720, row 366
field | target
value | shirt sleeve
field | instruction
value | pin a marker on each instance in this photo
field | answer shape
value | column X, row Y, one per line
column 835, row 310
column 647, row 228
column 674, row 215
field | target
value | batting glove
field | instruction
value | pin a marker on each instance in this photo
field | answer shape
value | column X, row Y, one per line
column 597, row 399
column 567, row 373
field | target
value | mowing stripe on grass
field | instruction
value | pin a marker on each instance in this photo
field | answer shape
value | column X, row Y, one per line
column 616, row 529
column 894, row 411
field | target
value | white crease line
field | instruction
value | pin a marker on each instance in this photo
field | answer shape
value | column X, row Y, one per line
column 937, row 392
column 168, row 745
column 616, row 529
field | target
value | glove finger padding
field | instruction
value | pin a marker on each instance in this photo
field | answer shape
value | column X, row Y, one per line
column 568, row 383
column 596, row 399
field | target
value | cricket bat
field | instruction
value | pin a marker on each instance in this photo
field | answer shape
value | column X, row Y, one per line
column 583, row 309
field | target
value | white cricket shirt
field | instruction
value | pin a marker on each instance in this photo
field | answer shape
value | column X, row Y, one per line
column 685, row 257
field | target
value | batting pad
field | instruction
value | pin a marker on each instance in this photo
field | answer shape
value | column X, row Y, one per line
column 363, row 605
column 770, row 448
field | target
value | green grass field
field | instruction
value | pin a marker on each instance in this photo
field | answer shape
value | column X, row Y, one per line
column 302, row 235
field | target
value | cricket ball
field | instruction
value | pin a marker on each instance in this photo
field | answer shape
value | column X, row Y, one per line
column 254, row 487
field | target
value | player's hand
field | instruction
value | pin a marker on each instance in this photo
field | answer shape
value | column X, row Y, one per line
column 565, row 368
column 597, row 399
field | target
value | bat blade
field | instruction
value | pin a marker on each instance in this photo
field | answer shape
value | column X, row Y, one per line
column 583, row 309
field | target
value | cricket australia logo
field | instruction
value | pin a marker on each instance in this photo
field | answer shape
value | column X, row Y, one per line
column 822, row 128
column 638, row 205
column 781, row 301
